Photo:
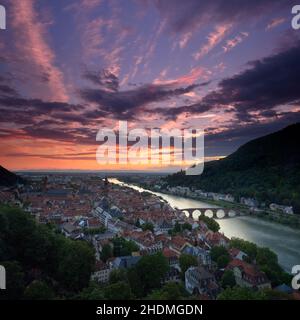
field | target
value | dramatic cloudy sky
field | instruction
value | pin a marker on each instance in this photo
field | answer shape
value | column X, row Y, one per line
column 68, row 68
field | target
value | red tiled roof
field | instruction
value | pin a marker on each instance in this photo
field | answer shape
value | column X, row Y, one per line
column 168, row 253
column 248, row 269
column 178, row 242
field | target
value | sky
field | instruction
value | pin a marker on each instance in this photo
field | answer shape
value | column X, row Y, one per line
column 69, row 68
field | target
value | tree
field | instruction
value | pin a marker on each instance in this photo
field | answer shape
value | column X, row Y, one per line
column 265, row 256
column 118, row 275
column 238, row 293
column 187, row 226
column 223, row 261
column 248, row 247
column 118, row 291
column 148, row 226
column 106, row 252
column 14, row 281
column 92, row 292
column 177, row 227
column 211, row 223
column 170, row 291
column 77, row 260
column 122, row 247
column 150, row 270
column 30, row 246
column 276, row 295
column 38, row 290
column 217, row 252
column 228, row 279
column 135, row 282
column 186, row 261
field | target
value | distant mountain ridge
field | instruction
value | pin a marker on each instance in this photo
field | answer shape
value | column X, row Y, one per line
column 267, row 168
column 8, row 178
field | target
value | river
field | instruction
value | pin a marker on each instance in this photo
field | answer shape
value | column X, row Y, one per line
column 283, row 240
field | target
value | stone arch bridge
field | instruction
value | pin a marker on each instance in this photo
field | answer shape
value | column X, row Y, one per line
column 216, row 213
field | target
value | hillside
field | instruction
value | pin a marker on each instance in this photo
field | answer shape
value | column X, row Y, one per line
column 8, row 178
column 267, row 168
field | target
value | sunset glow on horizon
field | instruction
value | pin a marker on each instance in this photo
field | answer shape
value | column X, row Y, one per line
column 69, row 68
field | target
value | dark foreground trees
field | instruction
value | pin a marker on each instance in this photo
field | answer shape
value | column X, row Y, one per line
column 37, row 259
column 43, row 264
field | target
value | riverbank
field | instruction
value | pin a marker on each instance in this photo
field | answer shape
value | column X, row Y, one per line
column 292, row 221
column 281, row 239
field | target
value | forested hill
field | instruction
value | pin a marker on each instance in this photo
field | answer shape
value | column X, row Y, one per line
column 8, row 178
column 267, row 168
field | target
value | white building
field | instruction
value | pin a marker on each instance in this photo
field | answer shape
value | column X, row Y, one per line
column 284, row 209
column 102, row 272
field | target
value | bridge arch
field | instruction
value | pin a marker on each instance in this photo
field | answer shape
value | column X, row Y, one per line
column 231, row 213
column 196, row 214
column 220, row 214
column 186, row 213
column 209, row 213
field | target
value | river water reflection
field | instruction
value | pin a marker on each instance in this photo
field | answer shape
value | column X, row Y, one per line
column 283, row 240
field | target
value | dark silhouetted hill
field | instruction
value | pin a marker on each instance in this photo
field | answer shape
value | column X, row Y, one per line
column 8, row 178
column 267, row 168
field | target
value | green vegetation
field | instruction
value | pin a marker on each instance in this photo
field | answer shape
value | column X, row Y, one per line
column 39, row 259
column 238, row 293
column 118, row 291
column 267, row 169
column 15, row 281
column 106, row 252
column 122, row 247
column 92, row 292
column 170, row 291
column 186, row 261
column 148, row 226
column 248, row 247
column 179, row 228
column 220, row 255
column 118, row 275
column 42, row 264
column 211, row 223
column 38, row 290
column 292, row 221
column 140, row 281
column 228, row 279
column 148, row 274
column 266, row 259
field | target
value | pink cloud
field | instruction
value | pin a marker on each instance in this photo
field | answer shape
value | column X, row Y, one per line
column 92, row 39
column 187, row 79
column 185, row 39
column 33, row 47
column 274, row 23
column 231, row 43
column 213, row 39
